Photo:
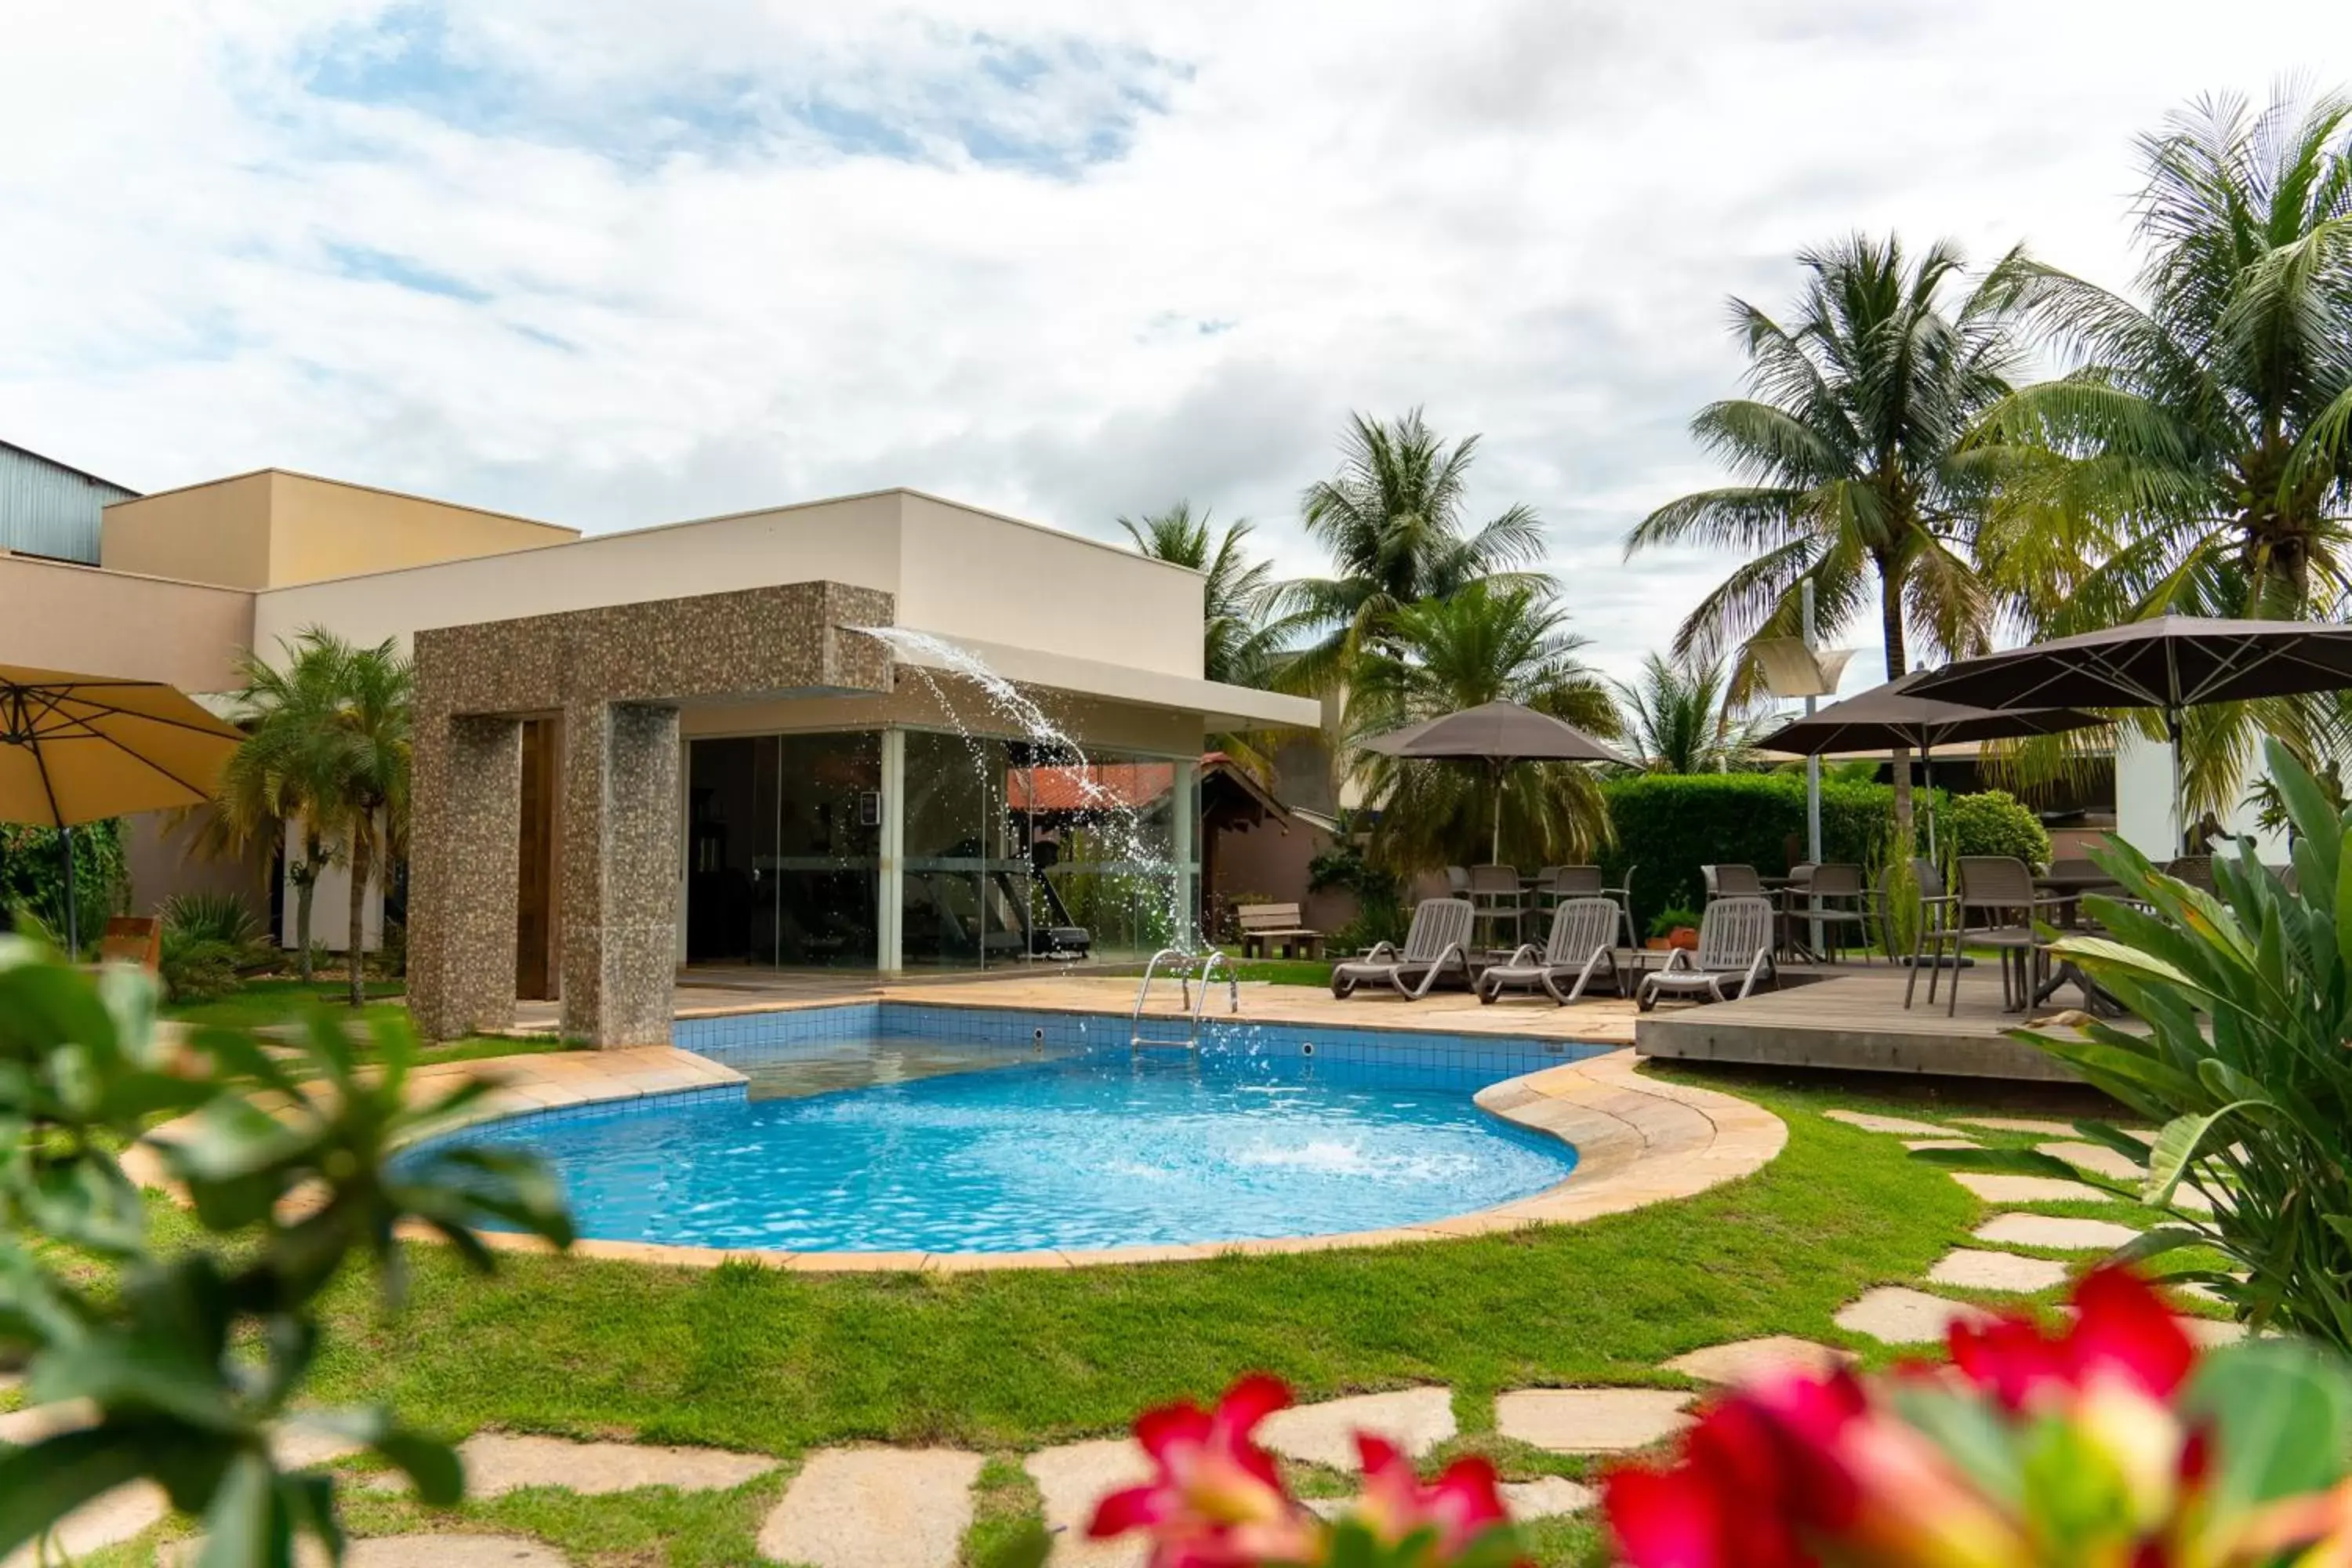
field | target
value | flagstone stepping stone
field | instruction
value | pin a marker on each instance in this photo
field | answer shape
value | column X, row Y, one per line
column 1998, row 1189
column 1591, row 1420
column 1915, row 1144
column 100, row 1523
column 1900, row 1316
column 873, row 1507
column 1870, row 1122
column 2210, row 1332
column 2019, row 1124
column 407, row 1551
column 1745, row 1361
column 501, row 1462
column 1415, row 1419
column 1071, row 1479
column 2056, row 1231
column 24, row 1427
column 1972, row 1270
column 1547, row 1496
column 2097, row 1158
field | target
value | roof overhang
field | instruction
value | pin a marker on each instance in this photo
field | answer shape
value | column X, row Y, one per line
column 1221, row 706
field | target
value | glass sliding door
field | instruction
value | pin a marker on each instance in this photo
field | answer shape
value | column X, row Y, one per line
column 956, row 884
column 783, row 838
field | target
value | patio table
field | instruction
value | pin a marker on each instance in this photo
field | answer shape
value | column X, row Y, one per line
column 1787, row 889
column 2069, row 886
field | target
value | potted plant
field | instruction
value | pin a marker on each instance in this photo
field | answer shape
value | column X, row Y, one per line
column 1673, row 928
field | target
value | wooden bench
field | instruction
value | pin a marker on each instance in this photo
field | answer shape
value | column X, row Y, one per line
column 1266, row 926
column 132, row 938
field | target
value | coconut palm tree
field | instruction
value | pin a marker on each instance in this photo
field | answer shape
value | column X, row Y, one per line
column 1392, row 519
column 2197, row 457
column 327, row 746
column 1681, row 718
column 1238, row 637
column 1486, row 642
column 1848, row 463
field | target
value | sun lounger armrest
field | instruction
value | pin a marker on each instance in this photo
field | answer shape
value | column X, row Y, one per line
column 1529, row 954
column 1380, row 952
column 1677, row 960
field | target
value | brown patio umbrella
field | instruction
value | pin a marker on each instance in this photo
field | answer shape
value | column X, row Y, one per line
column 1892, row 715
column 79, row 748
column 2167, row 662
column 1498, row 734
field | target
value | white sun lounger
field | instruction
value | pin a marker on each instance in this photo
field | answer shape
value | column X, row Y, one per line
column 1438, row 944
column 1735, row 947
column 1582, row 948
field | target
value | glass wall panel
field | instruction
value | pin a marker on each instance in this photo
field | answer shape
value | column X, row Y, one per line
column 784, row 840
column 1104, row 836
column 956, row 888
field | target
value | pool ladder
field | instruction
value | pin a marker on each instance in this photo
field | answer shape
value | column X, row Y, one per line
column 1179, row 961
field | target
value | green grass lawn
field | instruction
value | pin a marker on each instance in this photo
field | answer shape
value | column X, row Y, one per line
column 260, row 1003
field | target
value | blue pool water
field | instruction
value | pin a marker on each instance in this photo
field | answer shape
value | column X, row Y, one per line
column 915, row 1143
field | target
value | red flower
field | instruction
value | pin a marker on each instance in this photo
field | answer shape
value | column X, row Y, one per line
column 1462, row 1504
column 2121, row 1331
column 1217, row 1500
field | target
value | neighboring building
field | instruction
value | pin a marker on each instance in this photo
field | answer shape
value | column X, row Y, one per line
column 48, row 509
column 685, row 743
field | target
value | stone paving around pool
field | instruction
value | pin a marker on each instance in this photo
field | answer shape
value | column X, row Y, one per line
column 877, row 1507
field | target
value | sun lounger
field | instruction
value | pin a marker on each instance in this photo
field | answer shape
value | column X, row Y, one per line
column 1581, row 948
column 1734, row 948
column 1437, row 945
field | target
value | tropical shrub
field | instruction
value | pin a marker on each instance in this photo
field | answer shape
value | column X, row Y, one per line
column 1669, row 824
column 1667, row 921
column 197, row 968
column 193, row 1355
column 33, row 875
column 1994, row 822
column 2247, row 997
column 2112, row 1441
column 1378, row 894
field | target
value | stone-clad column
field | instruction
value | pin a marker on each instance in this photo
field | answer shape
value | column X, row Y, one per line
column 619, row 872
column 465, row 817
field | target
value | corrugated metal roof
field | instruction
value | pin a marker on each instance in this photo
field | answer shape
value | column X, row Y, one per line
column 49, row 507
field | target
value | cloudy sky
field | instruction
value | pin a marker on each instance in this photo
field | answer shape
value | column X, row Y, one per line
column 609, row 264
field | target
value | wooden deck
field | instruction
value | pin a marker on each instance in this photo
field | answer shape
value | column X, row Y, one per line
column 1854, row 1019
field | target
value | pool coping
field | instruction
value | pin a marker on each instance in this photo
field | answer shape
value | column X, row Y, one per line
column 1639, row 1141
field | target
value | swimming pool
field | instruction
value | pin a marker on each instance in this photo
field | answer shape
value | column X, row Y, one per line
column 903, row 1128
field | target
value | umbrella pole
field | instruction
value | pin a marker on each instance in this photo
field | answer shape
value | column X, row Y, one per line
column 1496, row 856
column 73, row 923
column 2179, row 808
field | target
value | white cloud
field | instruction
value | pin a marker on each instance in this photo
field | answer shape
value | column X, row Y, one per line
column 613, row 264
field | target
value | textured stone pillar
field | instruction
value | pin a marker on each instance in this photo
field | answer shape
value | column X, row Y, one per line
column 619, row 872
column 466, row 822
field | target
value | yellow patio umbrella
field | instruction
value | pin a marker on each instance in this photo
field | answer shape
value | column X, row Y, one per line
column 83, row 748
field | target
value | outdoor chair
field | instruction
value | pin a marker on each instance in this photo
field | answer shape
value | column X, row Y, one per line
column 1836, row 900
column 1995, row 907
column 1731, row 882
column 1565, row 883
column 1457, row 881
column 1735, row 947
column 2197, row 870
column 1582, row 948
column 1498, row 899
column 1437, row 945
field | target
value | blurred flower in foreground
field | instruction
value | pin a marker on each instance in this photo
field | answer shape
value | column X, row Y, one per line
column 2109, row 1442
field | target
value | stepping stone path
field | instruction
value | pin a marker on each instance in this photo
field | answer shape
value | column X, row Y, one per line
column 1915, row 1144
column 1899, row 1316
column 1415, row 1419
column 497, row 1463
column 1998, row 1189
column 1745, row 1361
column 100, row 1523
column 1071, row 1479
column 873, row 1507
column 1547, row 1496
column 2055, row 1232
column 2098, row 1159
column 2019, row 1124
column 1591, row 1420
column 1974, row 1271
column 1869, row 1122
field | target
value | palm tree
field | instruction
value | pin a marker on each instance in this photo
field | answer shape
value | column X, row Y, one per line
column 327, row 745
column 1486, row 642
column 2197, row 458
column 1238, row 641
column 1392, row 520
column 1849, row 463
column 1681, row 717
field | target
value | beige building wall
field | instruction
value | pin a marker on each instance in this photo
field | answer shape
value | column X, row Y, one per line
column 89, row 621
column 1096, row 725
column 952, row 570
column 273, row 528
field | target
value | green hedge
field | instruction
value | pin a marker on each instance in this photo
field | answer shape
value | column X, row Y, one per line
column 1668, row 826
column 33, row 874
column 1993, row 823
